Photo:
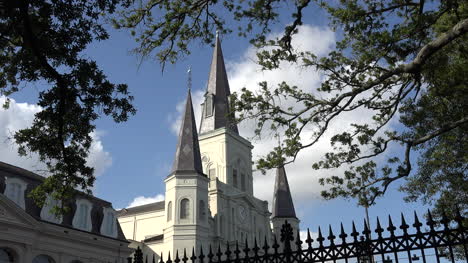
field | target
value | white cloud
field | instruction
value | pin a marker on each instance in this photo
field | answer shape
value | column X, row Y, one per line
column 245, row 72
column 19, row 116
column 141, row 200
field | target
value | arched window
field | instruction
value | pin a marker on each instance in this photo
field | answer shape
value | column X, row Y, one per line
column 109, row 222
column 243, row 181
column 169, row 211
column 82, row 218
column 43, row 259
column 46, row 212
column 184, row 209
column 201, row 210
column 14, row 190
column 234, row 177
column 209, row 105
column 6, row 256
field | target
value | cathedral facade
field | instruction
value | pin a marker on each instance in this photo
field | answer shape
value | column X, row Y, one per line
column 209, row 199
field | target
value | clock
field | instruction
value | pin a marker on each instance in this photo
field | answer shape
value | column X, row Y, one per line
column 242, row 213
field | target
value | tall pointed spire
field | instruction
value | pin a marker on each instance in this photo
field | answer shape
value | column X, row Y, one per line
column 187, row 157
column 216, row 113
column 283, row 205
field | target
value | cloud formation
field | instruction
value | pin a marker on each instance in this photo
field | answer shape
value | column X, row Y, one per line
column 21, row 115
column 141, row 200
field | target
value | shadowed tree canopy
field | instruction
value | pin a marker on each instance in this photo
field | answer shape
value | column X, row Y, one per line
column 43, row 42
column 404, row 61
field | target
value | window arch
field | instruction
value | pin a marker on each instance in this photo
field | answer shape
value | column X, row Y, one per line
column 43, row 259
column 14, row 190
column 6, row 256
column 46, row 212
column 169, row 211
column 82, row 218
column 184, row 208
column 209, row 105
column 202, row 210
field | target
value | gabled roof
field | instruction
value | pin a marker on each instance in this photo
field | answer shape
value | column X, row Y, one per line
column 187, row 158
column 218, row 89
column 283, row 205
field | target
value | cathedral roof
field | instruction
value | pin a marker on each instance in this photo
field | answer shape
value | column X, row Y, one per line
column 283, row 205
column 218, row 91
column 187, row 158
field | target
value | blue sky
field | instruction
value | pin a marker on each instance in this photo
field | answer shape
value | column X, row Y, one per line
column 136, row 156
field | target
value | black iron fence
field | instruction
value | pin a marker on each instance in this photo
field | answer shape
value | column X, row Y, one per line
column 442, row 240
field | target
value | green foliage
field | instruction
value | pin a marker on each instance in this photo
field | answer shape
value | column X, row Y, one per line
column 43, row 41
column 394, row 59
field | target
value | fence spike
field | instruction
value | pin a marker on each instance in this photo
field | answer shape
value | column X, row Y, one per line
column 366, row 231
column 342, row 235
column 391, row 227
column 298, row 240
column 237, row 251
column 309, row 239
column 445, row 220
column 430, row 221
column 355, row 233
column 246, row 249
column 404, row 226
column 184, row 258
column 417, row 224
column 219, row 254
column 161, row 258
column 201, row 256
column 210, row 255
column 177, row 259
column 154, row 258
column 138, row 257
column 275, row 245
column 228, row 252
column 265, row 245
column 379, row 228
column 169, row 257
column 193, row 257
column 320, row 238
column 331, row 236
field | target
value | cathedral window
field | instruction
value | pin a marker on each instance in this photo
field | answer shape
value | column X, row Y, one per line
column 243, row 181
column 14, row 190
column 209, row 106
column 184, row 208
column 211, row 175
column 202, row 210
column 169, row 211
column 234, row 177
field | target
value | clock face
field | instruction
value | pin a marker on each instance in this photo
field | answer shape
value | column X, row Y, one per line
column 242, row 213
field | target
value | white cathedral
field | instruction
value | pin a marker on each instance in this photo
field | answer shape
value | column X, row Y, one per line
column 209, row 196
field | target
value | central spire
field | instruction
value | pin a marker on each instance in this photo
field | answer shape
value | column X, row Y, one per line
column 187, row 158
column 283, row 205
column 215, row 110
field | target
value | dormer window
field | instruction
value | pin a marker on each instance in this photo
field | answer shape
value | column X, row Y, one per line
column 82, row 218
column 109, row 222
column 14, row 190
column 209, row 105
column 46, row 212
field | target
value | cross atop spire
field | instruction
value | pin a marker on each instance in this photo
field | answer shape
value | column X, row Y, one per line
column 215, row 112
column 283, row 205
column 189, row 80
column 187, row 158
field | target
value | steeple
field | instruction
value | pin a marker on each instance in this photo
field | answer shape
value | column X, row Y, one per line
column 215, row 111
column 187, row 157
column 283, row 205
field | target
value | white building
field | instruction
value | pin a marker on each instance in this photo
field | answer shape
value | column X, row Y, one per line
column 89, row 232
column 209, row 197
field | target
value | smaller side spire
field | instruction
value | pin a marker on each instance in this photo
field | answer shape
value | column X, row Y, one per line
column 283, row 205
column 187, row 157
